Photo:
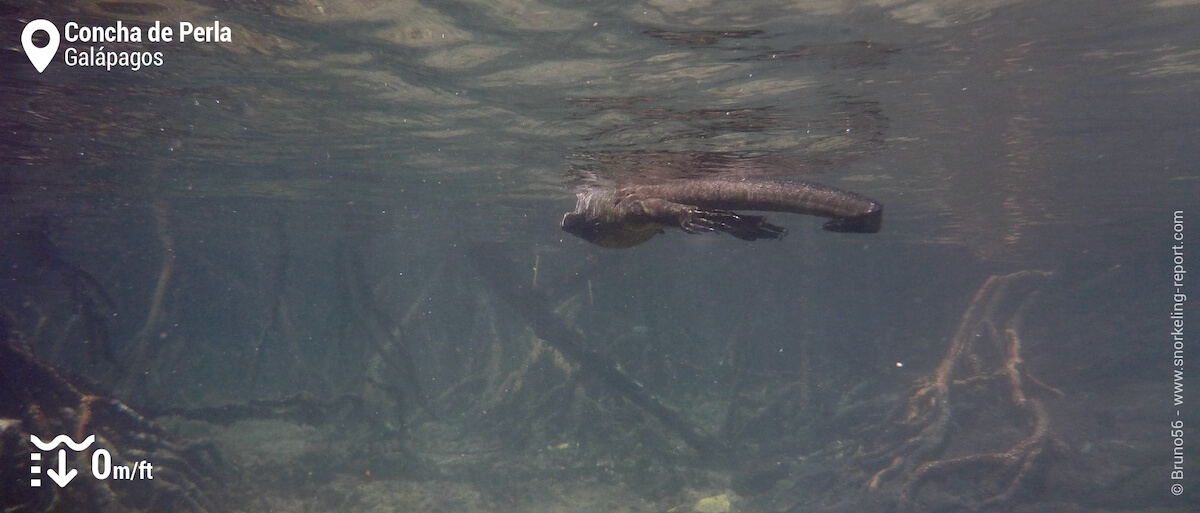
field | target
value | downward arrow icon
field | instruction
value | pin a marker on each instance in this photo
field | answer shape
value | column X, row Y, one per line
column 61, row 476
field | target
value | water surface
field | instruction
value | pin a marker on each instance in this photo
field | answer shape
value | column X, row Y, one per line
column 288, row 213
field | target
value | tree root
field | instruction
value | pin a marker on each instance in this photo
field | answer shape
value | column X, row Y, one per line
column 532, row 305
column 984, row 359
column 38, row 401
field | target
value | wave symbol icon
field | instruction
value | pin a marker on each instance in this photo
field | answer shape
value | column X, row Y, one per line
column 62, row 439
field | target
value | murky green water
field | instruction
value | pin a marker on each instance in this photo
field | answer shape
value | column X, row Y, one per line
column 290, row 212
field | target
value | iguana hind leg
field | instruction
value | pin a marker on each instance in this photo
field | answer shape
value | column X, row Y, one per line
column 745, row 227
column 696, row 220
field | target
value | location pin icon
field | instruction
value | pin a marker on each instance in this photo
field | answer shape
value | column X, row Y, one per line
column 40, row 57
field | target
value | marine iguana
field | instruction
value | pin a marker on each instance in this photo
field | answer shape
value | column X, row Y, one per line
column 624, row 217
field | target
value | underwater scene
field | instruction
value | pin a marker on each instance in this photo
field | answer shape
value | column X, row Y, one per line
column 645, row 256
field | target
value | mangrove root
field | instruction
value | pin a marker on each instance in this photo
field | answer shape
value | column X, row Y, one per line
column 531, row 303
column 982, row 369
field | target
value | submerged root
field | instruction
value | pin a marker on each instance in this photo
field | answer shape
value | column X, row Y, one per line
column 39, row 401
column 983, row 365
